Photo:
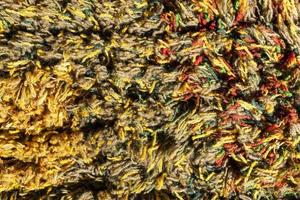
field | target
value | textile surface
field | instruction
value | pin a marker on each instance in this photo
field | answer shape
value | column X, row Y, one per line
column 149, row 99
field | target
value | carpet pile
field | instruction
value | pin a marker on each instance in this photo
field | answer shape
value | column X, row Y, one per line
column 149, row 99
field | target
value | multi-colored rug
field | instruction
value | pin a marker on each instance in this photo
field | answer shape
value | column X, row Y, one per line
column 149, row 99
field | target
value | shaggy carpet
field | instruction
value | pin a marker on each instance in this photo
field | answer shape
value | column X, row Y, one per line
column 149, row 99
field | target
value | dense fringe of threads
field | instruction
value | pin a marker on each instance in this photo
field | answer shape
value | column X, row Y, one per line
column 149, row 99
